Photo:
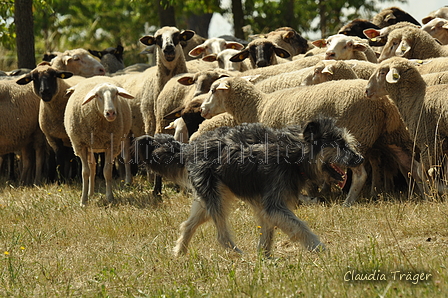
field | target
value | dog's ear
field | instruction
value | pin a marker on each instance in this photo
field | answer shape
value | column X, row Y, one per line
column 312, row 131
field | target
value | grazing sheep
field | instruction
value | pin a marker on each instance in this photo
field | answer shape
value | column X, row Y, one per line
column 343, row 47
column 412, row 43
column 392, row 15
column 50, row 85
column 223, row 59
column 19, row 129
column 97, row 119
column 439, row 13
column 367, row 121
column 261, row 53
column 437, row 28
column 180, row 90
column 357, row 27
column 423, row 109
column 287, row 160
column 79, row 62
column 214, row 46
column 111, row 58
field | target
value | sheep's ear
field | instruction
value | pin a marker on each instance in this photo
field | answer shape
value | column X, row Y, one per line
column 210, row 58
column 287, row 36
column 186, row 35
column 186, row 80
column 95, row 53
column 197, row 51
column 91, row 95
column 402, row 48
column 418, row 62
column 282, row 53
column 25, row 80
column 66, row 59
column 124, row 93
column 389, row 17
column 148, row 40
column 240, row 56
column 174, row 114
column 426, row 19
column 371, row 33
column 358, row 46
column 69, row 91
column 251, row 78
column 393, row 76
column 64, row 74
column 223, row 86
column 328, row 69
column 234, row 45
column 321, row 43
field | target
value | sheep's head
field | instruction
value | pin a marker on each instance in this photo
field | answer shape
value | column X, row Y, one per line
column 340, row 46
column 167, row 41
column 79, row 62
column 45, row 80
column 214, row 46
column 262, row 53
column 106, row 96
column 213, row 103
column 203, row 80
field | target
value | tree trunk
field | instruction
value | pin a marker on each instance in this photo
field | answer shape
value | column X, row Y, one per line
column 200, row 24
column 166, row 14
column 238, row 18
column 23, row 18
column 323, row 19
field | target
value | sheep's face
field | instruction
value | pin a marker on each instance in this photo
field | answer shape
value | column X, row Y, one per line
column 45, row 81
column 387, row 73
column 214, row 104
column 341, row 47
column 167, row 40
column 106, row 99
column 203, row 80
column 391, row 47
column 262, row 53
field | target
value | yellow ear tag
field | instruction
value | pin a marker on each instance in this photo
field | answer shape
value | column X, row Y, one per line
column 396, row 76
column 282, row 55
column 62, row 76
column 373, row 39
column 27, row 80
column 190, row 81
column 420, row 61
column 177, row 115
column 241, row 57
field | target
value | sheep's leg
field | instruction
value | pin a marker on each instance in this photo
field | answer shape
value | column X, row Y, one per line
column 92, row 166
column 40, row 159
column 26, row 165
column 107, row 172
column 127, row 159
column 358, row 180
column 85, row 175
column 198, row 215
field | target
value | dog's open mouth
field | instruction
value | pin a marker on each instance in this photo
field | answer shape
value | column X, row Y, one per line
column 336, row 173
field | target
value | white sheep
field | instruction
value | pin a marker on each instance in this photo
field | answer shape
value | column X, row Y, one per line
column 424, row 109
column 370, row 121
column 437, row 28
column 50, row 85
column 181, row 89
column 97, row 119
column 214, row 45
column 343, row 47
column 436, row 78
column 412, row 43
column 439, row 13
column 79, row 62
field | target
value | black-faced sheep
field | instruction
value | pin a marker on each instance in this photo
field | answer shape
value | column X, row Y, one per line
column 366, row 121
column 111, row 58
column 98, row 119
column 357, row 27
column 288, row 39
column 423, row 109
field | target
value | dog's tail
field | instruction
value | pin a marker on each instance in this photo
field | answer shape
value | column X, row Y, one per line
column 163, row 155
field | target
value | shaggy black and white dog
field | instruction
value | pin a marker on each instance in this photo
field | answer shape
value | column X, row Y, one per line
column 265, row 167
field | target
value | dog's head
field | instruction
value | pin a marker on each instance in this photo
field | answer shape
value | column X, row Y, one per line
column 332, row 148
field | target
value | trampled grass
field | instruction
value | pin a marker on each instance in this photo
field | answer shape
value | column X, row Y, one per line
column 51, row 247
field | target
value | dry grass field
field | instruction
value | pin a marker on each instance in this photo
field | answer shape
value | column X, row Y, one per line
column 51, row 247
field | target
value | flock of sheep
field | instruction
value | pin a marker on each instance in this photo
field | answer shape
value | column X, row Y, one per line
column 383, row 79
